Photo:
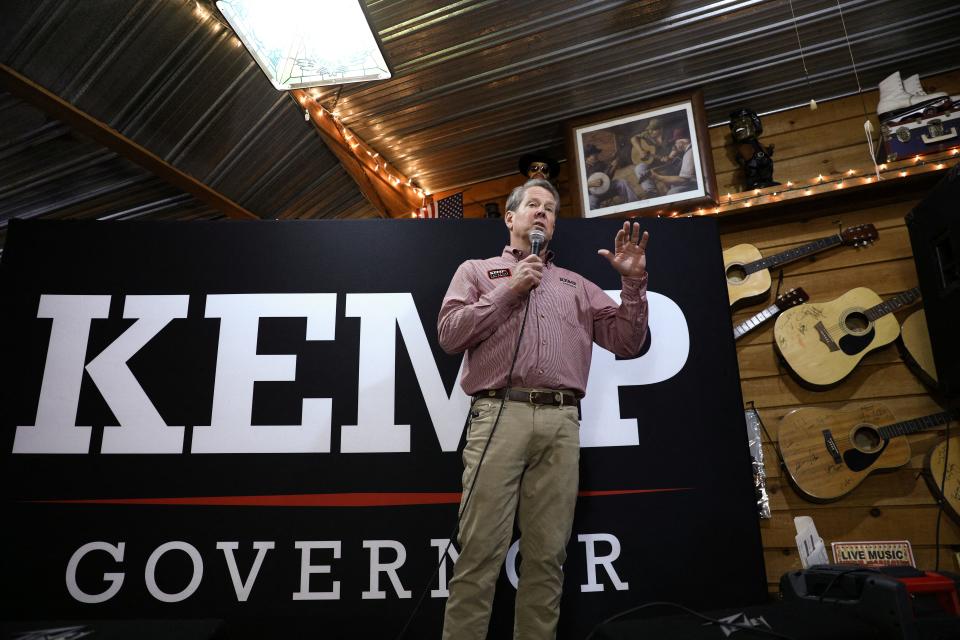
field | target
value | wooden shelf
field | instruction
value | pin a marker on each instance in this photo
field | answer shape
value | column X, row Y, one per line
column 832, row 194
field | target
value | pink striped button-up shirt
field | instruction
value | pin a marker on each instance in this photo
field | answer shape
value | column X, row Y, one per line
column 482, row 316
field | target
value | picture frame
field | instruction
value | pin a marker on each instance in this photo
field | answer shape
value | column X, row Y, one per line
column 649, row 158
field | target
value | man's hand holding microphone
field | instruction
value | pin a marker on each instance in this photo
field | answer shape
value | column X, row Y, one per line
column 529, row 271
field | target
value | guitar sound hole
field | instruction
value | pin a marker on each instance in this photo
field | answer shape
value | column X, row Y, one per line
column 857, row 323
column 736, row 273
column 866, row 439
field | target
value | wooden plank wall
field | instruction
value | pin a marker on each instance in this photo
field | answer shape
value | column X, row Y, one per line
column 888, row 506
column 828, row 141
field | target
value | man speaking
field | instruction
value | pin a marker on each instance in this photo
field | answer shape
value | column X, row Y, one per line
column 527, row 327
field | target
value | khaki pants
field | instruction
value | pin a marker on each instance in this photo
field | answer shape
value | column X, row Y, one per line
column 531, row 470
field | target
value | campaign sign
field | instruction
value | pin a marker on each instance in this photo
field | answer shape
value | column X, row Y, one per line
column 253, row 424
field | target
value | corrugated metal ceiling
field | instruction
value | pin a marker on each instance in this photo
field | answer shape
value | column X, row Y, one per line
column 479, row 83
column 476, row 84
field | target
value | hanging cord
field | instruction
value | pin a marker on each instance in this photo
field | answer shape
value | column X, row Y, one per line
column 853, row 62
column 476, row 475
column 942, row 499
column 806, row 74
column 867, row 125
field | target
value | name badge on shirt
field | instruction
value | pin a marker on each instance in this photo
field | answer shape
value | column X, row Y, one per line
column 493, row 274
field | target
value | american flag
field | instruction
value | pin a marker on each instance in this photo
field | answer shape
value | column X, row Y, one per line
column 450, row 208
column 428, row 210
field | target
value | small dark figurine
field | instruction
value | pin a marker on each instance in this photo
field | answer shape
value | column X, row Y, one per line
column 756, row 160
column 491, row 210
column 538, row 165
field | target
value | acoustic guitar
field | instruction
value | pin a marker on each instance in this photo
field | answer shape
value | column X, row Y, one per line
column 789, row 299
column 829, row 452
column 822, row 342
column 748, row 275
column 946, row 488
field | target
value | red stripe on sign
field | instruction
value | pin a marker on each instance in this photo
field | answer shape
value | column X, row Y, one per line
column 624, row 492
column 319, row 499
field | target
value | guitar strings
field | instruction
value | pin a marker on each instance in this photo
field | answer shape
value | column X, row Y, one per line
column 844, row 437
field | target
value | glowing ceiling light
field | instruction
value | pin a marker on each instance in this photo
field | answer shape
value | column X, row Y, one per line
column 300, row 44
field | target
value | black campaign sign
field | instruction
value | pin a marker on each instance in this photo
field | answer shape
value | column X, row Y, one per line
column 254, row 423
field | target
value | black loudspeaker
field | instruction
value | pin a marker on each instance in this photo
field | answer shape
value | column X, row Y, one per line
column 934, row 226
column 902, row 602
column 798, row 619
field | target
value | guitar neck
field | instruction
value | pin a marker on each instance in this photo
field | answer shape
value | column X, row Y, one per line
column 754, row 321
column 895, row 303
column 793, row 254
column 917, row 424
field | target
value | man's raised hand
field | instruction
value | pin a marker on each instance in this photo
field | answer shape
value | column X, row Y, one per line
column 630, row 251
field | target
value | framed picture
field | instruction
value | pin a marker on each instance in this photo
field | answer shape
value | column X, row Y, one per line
column 643, row 159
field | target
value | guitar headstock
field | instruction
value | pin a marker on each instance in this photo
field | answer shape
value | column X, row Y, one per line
column 860, row 235
column 791, row 298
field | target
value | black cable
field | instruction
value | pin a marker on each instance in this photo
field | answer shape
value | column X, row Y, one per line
column 845, row 573
column 476, row 474
column 942, row 499
column 774, row 443
column 697, row 614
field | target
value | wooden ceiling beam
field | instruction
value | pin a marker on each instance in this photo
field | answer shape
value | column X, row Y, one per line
column 386, row 188
column 56, row 107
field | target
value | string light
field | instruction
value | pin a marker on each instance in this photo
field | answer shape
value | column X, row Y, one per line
column 354, row 143
column 933, row 161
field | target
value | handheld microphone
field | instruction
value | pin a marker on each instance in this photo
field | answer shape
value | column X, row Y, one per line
column 537, row 238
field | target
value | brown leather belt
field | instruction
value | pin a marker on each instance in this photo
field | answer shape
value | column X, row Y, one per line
column 557, row 398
